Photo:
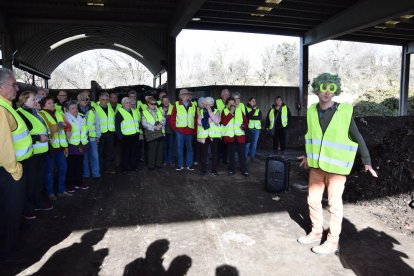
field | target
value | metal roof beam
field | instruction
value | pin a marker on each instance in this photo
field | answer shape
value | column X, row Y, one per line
column 183, row 14
column 362, row 15
column 410, row 48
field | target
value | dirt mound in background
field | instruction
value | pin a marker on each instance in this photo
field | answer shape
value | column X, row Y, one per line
column 393, row 190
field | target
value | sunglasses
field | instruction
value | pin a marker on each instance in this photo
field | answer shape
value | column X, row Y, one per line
column 331, row 88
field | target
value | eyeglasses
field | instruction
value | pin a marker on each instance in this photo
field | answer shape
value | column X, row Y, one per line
column 237, row 98
column 152, row 103
column 85, row 99
column 62, row 95
column 328, row 87
column 104, row 99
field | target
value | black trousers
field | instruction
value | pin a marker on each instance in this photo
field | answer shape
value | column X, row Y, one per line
column 106, row 150
column 279, row 137
column 155, row 153
column 75, row 170
column 129, row 152
column 240, row 149
column 12, row 195
column 222, row 151
column 35, row 187
column 204, row 154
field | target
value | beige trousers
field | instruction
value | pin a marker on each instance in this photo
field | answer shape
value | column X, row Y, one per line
column 335, row 184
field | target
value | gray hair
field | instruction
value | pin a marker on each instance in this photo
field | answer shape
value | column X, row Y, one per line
column 103, row 94
column 209, row 101
column 5, row 74
column 124, row 99
column 201, row 100
column 69, row 103
column 235, row 94
column 44, row 89
column 82, row 95
column 132, row 92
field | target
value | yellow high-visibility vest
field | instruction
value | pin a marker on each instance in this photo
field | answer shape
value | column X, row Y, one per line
column 107, row 121
column 185, row 118
column 254, row 124
column 22, row 141
column 332, row 151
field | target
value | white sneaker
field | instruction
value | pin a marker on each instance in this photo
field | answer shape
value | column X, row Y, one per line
column 328, row 247
column 179, row 169
column 310, row 238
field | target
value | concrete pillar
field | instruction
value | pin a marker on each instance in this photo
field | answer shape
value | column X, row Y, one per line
column 303, row 77
column 6, row 50
column 171, row 70
column 404, row 82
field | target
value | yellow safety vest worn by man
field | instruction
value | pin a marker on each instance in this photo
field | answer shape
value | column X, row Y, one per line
column 107, row 120
column 233, row 128
column 331, row 151
column 20, row 139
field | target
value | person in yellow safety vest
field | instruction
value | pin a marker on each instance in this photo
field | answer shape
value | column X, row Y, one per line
column 332, row 140
column 160, row 96
column 106, row 143
column 132, row 94
column 277, row 122
column 208, row 134
column 61, row 98
column 234, row 123
column 221, row 103
column 182, row 122
column 36, row 165
column 78, row 145
column 153, row 121
column 16, row 147
column 127, row 126
column 57, row 124
column 254, row 116
column 239, row 104
column 113, row 100
column 91, row 156
column 168, row 145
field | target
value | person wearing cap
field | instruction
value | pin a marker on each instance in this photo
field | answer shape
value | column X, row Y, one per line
column 208, row 134
column 16, row 147
column 332, row 141
column 183, row 122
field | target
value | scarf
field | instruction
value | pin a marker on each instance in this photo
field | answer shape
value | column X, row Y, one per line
column 204, row 121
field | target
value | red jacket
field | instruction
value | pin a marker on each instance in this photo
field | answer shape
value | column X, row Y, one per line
column 225, row 120
column 182, row 130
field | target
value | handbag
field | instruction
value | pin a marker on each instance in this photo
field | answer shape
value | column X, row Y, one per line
column 151, row 135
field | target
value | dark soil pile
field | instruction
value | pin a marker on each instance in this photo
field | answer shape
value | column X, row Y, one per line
column 393, row 190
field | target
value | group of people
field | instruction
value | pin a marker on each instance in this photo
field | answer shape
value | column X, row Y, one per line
column 77, row 138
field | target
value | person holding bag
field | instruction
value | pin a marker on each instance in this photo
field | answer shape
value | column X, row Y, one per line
column 153, row 123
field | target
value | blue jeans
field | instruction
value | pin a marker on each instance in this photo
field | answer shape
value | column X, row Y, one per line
column 255, row 137
column 168, row 148
column 59, row 158
column 188, row 141
column 92, row 157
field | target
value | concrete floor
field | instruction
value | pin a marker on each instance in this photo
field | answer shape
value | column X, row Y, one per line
column 156, row 222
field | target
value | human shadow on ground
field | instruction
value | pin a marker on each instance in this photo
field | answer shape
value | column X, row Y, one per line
column 77, row 259
column 371, row 252
column 152, row 264
column 226, row 270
